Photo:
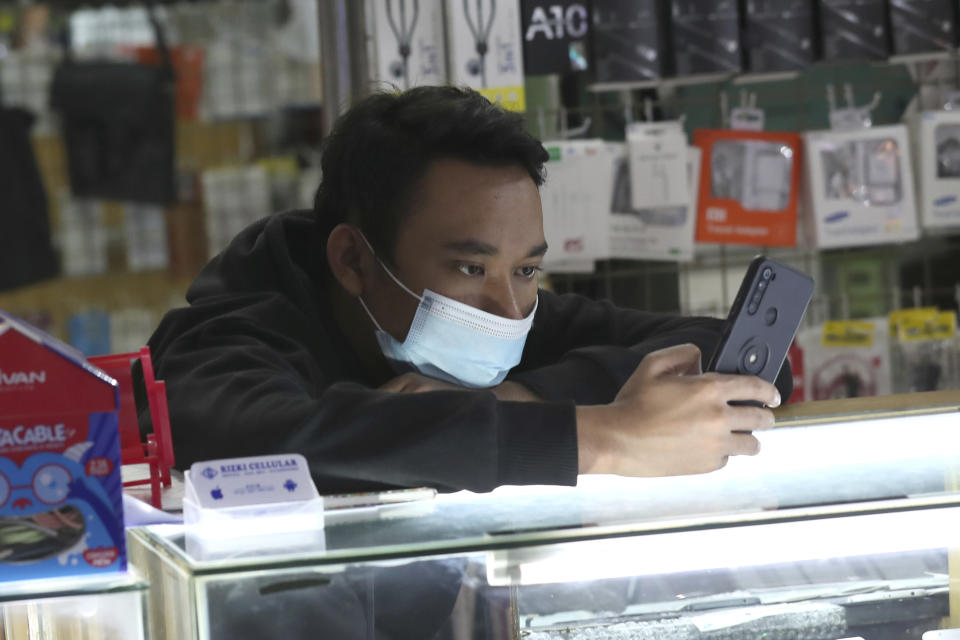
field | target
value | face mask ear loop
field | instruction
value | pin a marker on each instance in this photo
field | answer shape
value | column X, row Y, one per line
column 367, row 309
column 384, row 267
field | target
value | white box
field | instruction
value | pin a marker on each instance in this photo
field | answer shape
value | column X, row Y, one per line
column 406, row 42
column 848, row 371
column 658, row 165
column 664, row 232
column 576, row 204
column 485, row 49
column 860, row 187
column 936, row 136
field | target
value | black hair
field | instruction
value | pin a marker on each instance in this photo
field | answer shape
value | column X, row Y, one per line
column 380, row 149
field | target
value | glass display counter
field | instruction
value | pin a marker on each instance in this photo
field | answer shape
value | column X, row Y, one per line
column 846, row 525
column 81, row 608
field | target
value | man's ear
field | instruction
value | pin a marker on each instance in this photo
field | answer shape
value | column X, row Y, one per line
column 349, row 258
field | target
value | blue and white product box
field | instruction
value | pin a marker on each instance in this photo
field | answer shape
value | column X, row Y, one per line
column 257, row 496
column 61, row 502
column 936, row 136
column 860, row 187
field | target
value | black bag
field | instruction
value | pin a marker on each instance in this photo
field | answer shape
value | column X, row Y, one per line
column 119, row 126
column 26, row 254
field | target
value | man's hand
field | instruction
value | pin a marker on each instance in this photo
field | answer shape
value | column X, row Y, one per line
column 669, row 419
column 418, row 383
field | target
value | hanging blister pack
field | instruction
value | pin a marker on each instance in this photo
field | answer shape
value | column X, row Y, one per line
column 748, row 192
column 936, row 136
column 575, row 200
column 927, row 350
column 658, row 165
column 406, row 42
column 485, row 49
column 846, row 359
column 860, row 181
column 663, row 231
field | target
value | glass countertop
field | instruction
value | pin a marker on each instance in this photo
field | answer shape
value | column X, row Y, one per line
column 81, row 585
column 852, row 466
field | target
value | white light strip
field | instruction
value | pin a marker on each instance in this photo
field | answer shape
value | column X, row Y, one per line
column 754, row 545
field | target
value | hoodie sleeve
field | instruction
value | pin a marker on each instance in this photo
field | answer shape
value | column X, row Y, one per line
column 237, row 388
column 586, row 350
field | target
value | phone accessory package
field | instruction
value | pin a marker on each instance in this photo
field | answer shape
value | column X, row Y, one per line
column 749, row 187
column 406, row 45
column 860, row 187
column 937, row 152
column 653, row 193
column 846, row 359
column 485, row 48
column 576, row 203
column 61, row 511
column 926, row 352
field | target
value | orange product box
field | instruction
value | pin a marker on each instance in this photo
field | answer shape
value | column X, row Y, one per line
column 749, row 187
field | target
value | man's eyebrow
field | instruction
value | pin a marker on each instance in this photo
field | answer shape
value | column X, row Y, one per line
column 478, row 247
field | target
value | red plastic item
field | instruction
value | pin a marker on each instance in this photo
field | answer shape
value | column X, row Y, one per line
column 157, row 452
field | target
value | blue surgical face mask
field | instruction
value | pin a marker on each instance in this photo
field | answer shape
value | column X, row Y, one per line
column 452, row 341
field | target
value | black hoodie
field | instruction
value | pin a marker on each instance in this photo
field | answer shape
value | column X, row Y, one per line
column 256, row 365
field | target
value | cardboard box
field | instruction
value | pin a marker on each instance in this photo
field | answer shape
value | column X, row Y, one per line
column 779, row 35
column 860, row 187
column 919, row 26
column 854, row 29
column 936, row 137
column 663, row 231
column 630, row 40
column 485, row 49
column 706, row 36
column 749, row 188
column 556, row 36
column 61, row 510
column 407, row 42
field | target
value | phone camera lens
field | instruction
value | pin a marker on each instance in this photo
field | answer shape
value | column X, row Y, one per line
column 753, row 358
column 761, row 285
column 752, row 308
column 767, row 273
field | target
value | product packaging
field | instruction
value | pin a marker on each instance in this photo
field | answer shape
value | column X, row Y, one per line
column 485, row 49
column 779, row 35
column 556, row 36
column 920, row 26
column 936, row 136
column 846, row 359
column 661, row 226
column 860, row 187
column 854, row 29
column 927, row 351
column 576, row 204
column 706, row 36
column 406, row 39
column 61, row 510
column 629, row 40
column 748, row 187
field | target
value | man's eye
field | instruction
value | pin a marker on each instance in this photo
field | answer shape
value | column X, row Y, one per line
column 529, row 271
column 471, row 269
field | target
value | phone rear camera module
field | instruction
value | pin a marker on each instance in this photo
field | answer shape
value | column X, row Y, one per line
column 753, row 358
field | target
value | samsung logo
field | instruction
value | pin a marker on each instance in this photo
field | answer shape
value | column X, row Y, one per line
column 22, row 377
column 837, row 217
column 944, row 201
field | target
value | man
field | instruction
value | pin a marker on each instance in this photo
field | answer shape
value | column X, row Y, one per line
column 381, row 335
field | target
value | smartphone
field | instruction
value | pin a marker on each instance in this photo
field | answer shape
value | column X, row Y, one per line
column 763, row 320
